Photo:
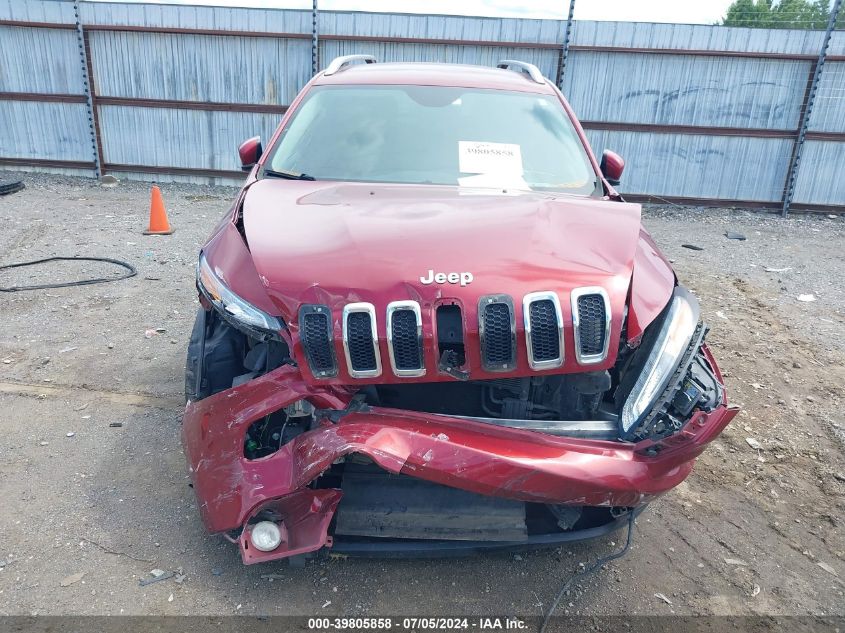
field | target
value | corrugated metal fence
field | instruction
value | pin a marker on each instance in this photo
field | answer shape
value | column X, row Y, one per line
column 702, row 113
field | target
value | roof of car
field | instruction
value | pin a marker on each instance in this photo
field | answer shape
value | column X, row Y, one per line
column 428, row 74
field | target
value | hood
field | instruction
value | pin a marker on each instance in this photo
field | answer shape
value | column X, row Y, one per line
column 335, row 244
column 338, row 243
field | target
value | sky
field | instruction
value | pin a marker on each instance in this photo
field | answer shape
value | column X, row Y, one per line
column 680, row 11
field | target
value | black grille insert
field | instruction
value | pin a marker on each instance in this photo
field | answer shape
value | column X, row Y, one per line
column 450, row 334
column 359, row 339
column 545, row 333
column 316, row 336
column 592, row 325
column 407, row 355
column 496, row 330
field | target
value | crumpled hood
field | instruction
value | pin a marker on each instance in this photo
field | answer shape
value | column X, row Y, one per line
column 334, row 244
column 317, row 242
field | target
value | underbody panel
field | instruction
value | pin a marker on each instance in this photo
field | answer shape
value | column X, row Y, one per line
column 382, row 505
column 404, row 548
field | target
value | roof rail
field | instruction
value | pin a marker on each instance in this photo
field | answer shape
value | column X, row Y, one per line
column 338, row 63
column 525, row 67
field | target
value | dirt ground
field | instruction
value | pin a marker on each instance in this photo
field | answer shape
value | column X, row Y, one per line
column 752, row 531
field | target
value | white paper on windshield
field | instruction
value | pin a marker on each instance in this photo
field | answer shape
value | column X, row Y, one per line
column 489, row 158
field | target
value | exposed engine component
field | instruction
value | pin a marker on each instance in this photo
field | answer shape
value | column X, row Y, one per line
column 570, row 397
column 270, row 433
column 559, row 397
column 299, row 409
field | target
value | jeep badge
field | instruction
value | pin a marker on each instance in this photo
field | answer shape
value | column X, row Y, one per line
column 441, row 278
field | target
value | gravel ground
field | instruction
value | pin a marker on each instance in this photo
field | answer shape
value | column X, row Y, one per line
column 90, row 508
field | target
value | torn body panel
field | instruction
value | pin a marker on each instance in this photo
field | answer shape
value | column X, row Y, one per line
column 473, row 456
column 652, row 283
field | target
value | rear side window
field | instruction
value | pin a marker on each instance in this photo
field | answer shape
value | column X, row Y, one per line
column 436, row 135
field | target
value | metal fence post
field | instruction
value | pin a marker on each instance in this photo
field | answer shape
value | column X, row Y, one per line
column 564, row 53
column 89, row 90
column 315, row 61
column 795, row 161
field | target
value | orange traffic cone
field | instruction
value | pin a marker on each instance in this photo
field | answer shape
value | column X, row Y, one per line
column 159, row 225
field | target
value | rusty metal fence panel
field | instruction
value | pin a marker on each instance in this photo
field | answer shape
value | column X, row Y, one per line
column 829, row 110
column 38, row 131
column 184, row 67
column 691, row 125
column 546, row 60
column 440, row 27
column 45, row 11
column 183, row 16
column 821, row 180
column 39, row 61
column 36, row 62
column 697, row 166
column 659, row 89
column 199, row 140
column 695, row 37
column 700, row 112
column 43, row 116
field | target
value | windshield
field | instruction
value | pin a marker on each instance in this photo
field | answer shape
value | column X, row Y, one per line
column 434, row 135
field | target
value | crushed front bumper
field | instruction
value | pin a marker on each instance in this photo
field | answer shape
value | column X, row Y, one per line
column 474, row 456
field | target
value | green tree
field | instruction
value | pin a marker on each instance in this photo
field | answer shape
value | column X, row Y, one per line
column 784, row 14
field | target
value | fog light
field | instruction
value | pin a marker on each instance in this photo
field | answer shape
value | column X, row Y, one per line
column 265, row 536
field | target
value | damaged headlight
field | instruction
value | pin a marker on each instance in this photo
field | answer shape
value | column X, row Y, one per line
column 668, row 350
column 237, row 311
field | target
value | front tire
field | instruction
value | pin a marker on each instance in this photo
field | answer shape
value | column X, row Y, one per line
column 193, row 362
column 215, row 356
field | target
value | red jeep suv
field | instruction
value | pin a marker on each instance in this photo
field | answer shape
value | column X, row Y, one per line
column 431, row 325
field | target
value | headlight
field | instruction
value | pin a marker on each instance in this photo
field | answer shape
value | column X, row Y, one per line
column 672, row 341
column 239, row 312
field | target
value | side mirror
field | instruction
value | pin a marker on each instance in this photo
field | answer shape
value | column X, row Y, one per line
column 612, row 165
column 250, row 152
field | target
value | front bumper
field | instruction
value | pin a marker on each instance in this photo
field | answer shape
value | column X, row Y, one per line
column 474, row 456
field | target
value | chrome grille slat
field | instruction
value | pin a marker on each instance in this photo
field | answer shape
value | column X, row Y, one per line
column 404, row 338
column 360, row 340
column 591, row 324
column 543, row 322
column 315, row 331
column 497, row 333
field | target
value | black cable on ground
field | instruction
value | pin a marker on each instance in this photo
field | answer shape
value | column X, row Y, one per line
column 130, row 272
column 593, row 568
column 7, row 187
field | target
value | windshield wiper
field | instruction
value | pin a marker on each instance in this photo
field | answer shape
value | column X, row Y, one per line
column 287, row 175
